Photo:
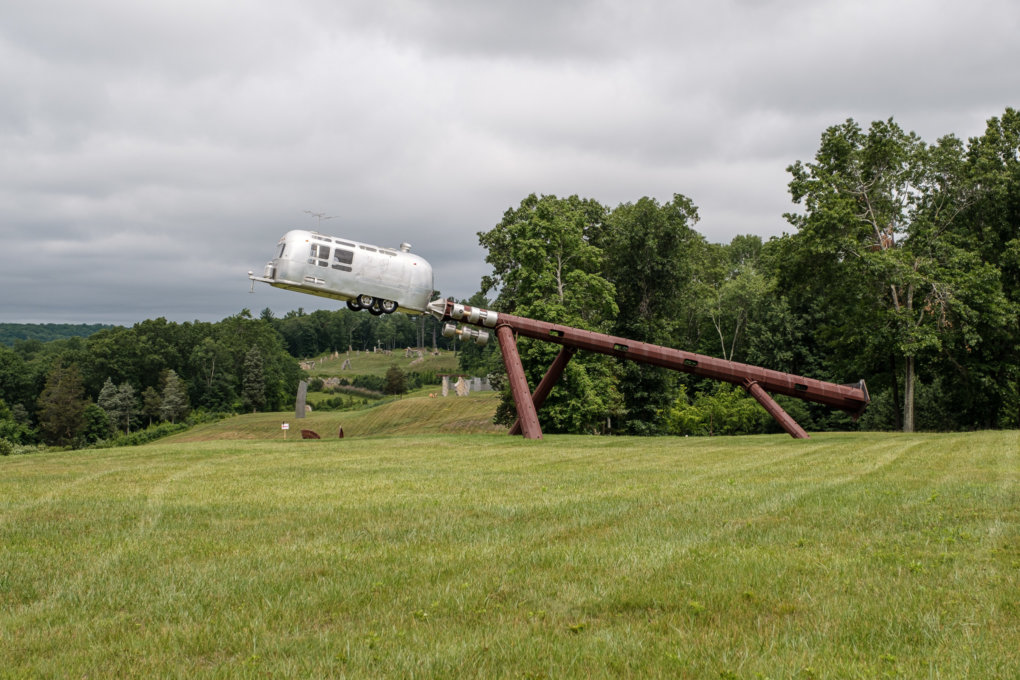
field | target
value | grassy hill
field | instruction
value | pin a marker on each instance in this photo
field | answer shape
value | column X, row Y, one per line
column 407, row 415
column 440, row 556
column 377, row 363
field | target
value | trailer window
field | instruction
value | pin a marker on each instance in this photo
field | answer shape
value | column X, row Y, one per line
column 283, row 247
column 319, row 255
column 342, row 259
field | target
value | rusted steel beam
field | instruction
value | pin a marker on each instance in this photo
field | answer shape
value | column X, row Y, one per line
column 850, row 398
column 548, row 381
column 784, row 419
column 526, row 413
column 759, row 381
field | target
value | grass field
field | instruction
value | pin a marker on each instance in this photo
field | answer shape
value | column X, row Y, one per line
column 448, row 556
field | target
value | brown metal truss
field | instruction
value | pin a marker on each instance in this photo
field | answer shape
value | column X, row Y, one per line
column 758, row 382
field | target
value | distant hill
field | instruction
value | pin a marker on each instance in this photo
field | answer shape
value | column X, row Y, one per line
column 45, row 332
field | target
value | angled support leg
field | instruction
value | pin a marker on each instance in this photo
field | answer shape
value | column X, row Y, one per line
column 550, row 379
column 526, row 412
column 775, row 410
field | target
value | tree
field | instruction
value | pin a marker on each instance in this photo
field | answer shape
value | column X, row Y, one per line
column 61, row 405
column 210, row 363
column 253, row 384
column 109, row 403
column 127, row 405
column 987, row 377
column 11, row 429
column 152, row 404
column 95, row 424
column 174, row 401
column 873, row 243
column 545, row 265
column 396, row 381
column 648, row 260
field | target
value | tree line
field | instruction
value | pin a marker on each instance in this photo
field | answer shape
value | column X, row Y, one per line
column 902, row 267
column 79, row 391
column 44, row 332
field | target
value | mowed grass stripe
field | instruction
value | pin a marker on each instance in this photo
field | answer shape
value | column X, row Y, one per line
column 863, row 555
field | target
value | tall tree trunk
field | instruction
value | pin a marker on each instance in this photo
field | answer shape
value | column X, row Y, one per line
column 908, row 394
column 898, row 423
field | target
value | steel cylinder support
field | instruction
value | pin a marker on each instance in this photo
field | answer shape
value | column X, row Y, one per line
column 548, row 381
column 791, row 426
column 527, row 414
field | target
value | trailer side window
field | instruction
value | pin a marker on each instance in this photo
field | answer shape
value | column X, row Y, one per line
column 342, row 259
column 319, row 255
column 283, row 247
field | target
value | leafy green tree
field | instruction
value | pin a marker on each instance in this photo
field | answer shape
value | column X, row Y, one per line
column 545, row 265
column 211, row 364
column 95, row 424
column 16, row 379
column 61, row 405
column 873, row 242
column 986, row 381
column 648, row 260
column 253, row 387
column 11, row 429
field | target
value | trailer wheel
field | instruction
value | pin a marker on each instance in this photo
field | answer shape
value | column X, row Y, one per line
column 388, row 306
column 375, row 309
column 366, row 301
column 354, row 305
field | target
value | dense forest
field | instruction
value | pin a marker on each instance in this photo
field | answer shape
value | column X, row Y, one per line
column 902, row 267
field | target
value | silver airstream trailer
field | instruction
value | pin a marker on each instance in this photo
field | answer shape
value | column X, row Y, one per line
column 381, row 280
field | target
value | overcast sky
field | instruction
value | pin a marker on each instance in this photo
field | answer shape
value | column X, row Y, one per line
column 152, row 152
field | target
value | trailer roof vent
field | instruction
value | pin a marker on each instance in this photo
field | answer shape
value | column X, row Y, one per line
column 405, row 247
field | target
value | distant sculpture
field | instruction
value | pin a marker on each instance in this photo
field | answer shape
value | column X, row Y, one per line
column 302, row 395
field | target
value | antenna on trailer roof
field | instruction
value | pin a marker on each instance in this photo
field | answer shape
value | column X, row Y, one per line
column 319, row 217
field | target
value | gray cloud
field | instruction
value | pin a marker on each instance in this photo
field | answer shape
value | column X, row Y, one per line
column 153, row 153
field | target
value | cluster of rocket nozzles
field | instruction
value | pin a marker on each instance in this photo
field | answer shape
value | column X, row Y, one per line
column 473, row 315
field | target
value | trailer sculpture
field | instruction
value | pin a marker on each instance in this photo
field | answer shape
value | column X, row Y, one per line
column 757, row 381
column 384, row 280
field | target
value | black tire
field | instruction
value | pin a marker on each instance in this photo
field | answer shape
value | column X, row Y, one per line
column 354, row 305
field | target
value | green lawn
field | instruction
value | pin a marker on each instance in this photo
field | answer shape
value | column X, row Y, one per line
column 448, row 556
